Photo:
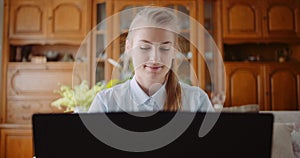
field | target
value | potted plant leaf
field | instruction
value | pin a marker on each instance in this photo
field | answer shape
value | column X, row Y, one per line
column 80, row 97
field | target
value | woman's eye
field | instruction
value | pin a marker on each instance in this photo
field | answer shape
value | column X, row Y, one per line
column 144, row 47
column 164, row 48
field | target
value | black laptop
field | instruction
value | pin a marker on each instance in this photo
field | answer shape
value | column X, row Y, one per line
column 158, row 134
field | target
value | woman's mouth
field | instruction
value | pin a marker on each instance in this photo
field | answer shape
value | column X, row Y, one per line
column 153, row 67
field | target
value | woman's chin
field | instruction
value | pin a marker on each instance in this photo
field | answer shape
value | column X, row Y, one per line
column 154, row 75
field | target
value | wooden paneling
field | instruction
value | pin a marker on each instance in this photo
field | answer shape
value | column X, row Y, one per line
column 26, row 79
column 31, row 88
column 282, row 87
column 279, row 21
column 260, row 21
column 244, row 84
column 68, row 19
column 21, row 111
column 49, row 21
column 28, row 18
column 28, row 88
column 16, row 143
column 273, row 86
column 241, row 80
column 248, row 17
column 241, row 19
column 281, row 18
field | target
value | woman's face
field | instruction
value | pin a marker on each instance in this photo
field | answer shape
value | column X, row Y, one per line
column 152, row 51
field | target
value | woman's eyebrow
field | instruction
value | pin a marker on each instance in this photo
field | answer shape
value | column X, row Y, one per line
column 145, row 41
column 167, row 42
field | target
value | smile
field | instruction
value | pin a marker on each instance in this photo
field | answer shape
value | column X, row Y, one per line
column 153, row 67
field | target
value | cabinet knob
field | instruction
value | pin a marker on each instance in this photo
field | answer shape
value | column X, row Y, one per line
column 50, row 17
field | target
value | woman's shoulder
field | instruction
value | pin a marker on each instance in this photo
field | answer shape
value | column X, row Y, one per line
column 186, row 88
column 117, row 88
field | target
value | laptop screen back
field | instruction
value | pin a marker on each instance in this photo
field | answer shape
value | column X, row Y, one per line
column 233, row 135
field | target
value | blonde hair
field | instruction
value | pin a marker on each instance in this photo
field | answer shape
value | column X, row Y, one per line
column 163, row 18
column 154, row 17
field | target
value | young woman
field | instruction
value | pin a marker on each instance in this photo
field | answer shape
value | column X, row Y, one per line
column 151, row 44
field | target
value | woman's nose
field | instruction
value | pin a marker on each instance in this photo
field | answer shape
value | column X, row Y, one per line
column 154, row 55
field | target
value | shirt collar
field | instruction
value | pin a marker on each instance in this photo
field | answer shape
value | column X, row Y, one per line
column 141, row 97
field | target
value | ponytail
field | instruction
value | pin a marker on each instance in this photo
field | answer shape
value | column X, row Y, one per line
column 173, row 92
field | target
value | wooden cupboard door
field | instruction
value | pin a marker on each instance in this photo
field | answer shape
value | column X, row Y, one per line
column 241, row 19
column 68, row 19
column 27, row 19
column 244, row 84
column 281, row 18
column 16, row 143
column 281, row 88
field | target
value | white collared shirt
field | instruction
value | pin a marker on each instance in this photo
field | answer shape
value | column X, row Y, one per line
column 130, row 97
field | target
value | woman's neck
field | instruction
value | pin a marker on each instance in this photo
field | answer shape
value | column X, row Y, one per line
column 148, row 86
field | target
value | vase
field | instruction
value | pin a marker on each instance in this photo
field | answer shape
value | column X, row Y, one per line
column 79, row 109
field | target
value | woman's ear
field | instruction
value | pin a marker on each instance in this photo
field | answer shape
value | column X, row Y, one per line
column 128, row 46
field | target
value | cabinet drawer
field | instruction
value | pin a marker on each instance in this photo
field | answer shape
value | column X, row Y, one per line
column 36, row 82
column 33, row 81
column 20, row 111
column 30, row 88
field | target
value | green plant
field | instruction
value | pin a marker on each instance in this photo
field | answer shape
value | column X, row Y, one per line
column 81, row 96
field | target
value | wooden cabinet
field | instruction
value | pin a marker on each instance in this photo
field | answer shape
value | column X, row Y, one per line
column 281, row 18
column 241, row 19
column 69, row 19
column 43, row 21
column 273, row 86
column 16, row 143
column 30, row 88
column 282, row 87
column 243, row 84
column 260, row 20
column 28, row 18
